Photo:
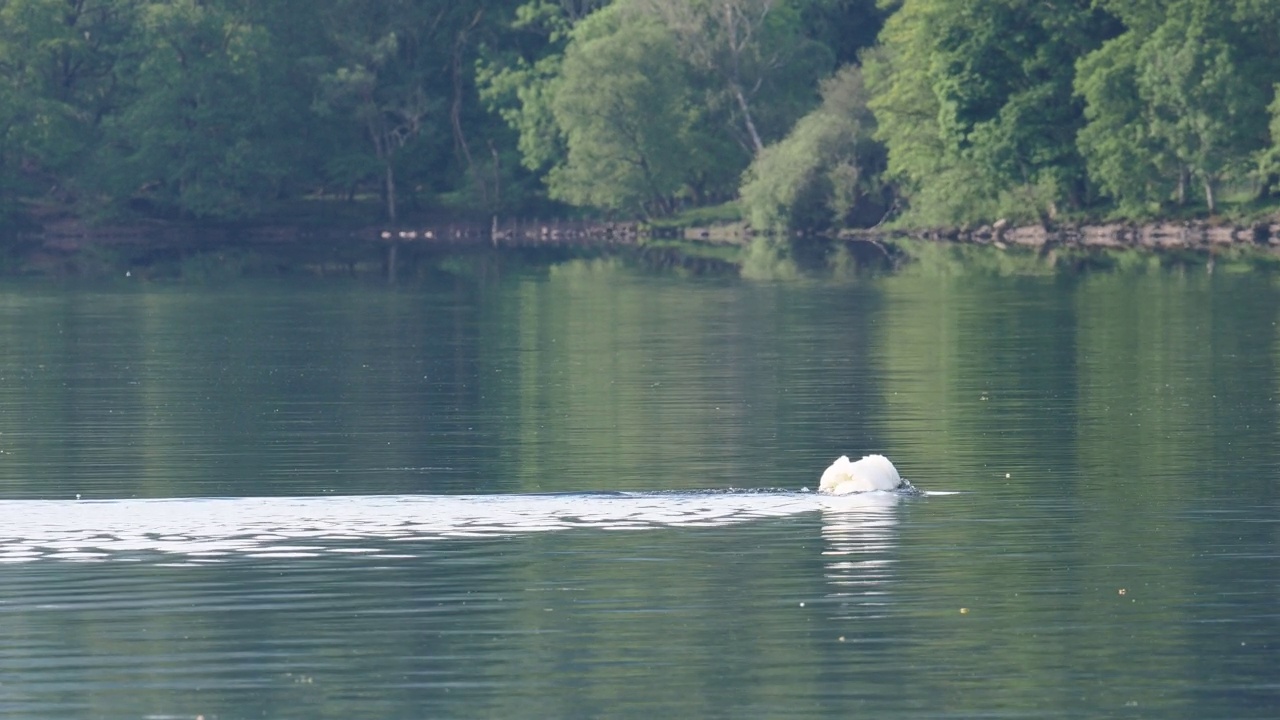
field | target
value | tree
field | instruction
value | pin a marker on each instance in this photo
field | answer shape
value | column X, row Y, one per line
column 1180, row 96
column 653, row 103
column 518, row 86
column 199, row 129
column 974, row 101
column 624, row 105
column 1123, row 158
column 59, row 76
column 825, row 173
column 1269, row 158
column 382, row 64
column 758, row 65
column 1199, row 105
column 398, row 76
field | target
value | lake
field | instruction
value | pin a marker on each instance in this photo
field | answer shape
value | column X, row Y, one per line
column 580, row 491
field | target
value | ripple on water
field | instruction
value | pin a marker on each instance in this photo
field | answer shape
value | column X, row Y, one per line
column 201, row 530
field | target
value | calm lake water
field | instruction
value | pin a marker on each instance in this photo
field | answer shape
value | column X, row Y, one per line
column 579, row 493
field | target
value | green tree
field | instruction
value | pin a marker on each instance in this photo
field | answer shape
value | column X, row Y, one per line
column 974, row 101
column 59, row 77
column 623, row 101
column 203, row 131
column 757, row 67
column 1200, row 105
column 1180, row 97
column 401, row 74
column 1124, row 159
column 380, row 65
column 654, row 103
column 825, row 173
column 516, row 80
column 1269, row 158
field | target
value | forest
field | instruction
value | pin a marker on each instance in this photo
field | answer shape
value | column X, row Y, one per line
column 819, row 114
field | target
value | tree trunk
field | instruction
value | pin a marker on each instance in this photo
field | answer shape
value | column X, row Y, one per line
column 1208, row 195
column 390, row 187
column 1269, row 181
column 455, row 108
column 497, row 175
column 382, row 148
column 756, row 144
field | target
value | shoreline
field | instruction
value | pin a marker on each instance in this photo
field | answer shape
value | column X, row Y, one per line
column 1155, row 235
column 70, row 247
column 69, row 233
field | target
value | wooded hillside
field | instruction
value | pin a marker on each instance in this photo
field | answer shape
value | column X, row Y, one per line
column 814, row 113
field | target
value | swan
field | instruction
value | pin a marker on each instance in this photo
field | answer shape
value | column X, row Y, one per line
column 873, row 472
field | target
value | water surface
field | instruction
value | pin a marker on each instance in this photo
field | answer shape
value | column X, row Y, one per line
column 579, row 493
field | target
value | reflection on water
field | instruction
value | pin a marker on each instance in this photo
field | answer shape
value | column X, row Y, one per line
column 212, row 529
column 859, row 532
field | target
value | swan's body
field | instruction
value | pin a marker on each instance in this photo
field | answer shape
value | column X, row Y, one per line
column 873, row 472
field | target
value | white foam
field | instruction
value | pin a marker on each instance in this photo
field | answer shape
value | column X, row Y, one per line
column 210, row 529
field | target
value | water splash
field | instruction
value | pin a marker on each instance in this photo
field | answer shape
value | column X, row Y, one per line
column 195, row 530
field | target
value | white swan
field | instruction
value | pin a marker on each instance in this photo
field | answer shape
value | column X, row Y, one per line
column 873, row 472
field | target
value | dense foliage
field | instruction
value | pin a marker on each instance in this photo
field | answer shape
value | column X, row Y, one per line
column 815, row 113
column 974, row 99
column 221, row 109
column 1180, row 98
column 826, row 171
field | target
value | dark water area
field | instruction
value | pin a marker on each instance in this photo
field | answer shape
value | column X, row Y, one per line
column 580, row 491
